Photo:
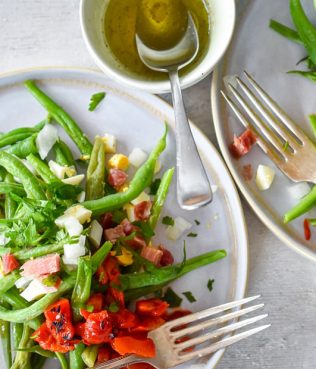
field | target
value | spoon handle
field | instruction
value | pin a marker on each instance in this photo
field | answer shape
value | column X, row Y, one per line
column 193, row 187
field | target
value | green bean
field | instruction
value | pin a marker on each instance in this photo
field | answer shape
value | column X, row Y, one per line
column 38, row 251
column 165, row 275
column 37, row 308
column 13, row 298
column 89, row 355
column 160, row 197
column 15, row 188
column 312, row 120
column 63, row 360
column 8, row 281
column 82, row 289
column 305, row 29
column 19, row 134
column 61, row 117
column 141, row 180
column 5, row 339
column 39, row 351
column 285, row 31
column 10, row 205
column 23, row 148
column 75, row 358
column 37, row 361
column 42, row 168
column 305, row 204
column 31, row 184
column 17, row 331
column 63, row 155
column 98, row 257
column 96, row 171
column 23, row 358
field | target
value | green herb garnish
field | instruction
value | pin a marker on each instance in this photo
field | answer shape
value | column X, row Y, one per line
column 113, row 307
column 172, row 298
column 167, row 221
column 192, row 234
column 95, row 100
column 145, row 228
column 154, row 186
column 210, row 284
column 197, row 222
column 189, row 296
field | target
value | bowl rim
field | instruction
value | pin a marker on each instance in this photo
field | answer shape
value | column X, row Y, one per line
column 188, row 80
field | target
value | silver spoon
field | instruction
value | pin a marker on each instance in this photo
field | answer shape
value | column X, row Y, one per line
column 193, row 187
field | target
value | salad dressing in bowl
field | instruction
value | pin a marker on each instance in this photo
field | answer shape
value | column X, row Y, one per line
column 161, row 23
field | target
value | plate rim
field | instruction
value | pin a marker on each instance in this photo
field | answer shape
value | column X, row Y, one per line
column 263, row 214
column 140, row 94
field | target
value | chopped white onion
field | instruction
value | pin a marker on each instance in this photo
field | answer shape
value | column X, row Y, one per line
column 35, row 290
column 82, row 196
column 299, row 190
column 137, row 157
column 46, row 139
column 180, row 226
column 95, row 234
column 214, row 188
column 142, row 197
column 71, row 262
column 22, row 282
column 75, row 250
column 79, row 212
column 73, row 226
column 264, row 178
column 109, row 143
column 75, row 180
column 60, row 171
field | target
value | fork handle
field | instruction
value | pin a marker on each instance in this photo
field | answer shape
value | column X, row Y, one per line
column 193, row 187
column 120, row 362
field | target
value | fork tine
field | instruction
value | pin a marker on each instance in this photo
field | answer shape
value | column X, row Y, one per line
column 208, row 312
column 268, row 133
column 292, row 126
column 218, row 332
column 261, row 141
column 220, row 344
column 214, row 321
column 277, row 125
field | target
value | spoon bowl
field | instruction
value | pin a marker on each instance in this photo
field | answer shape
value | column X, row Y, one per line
column 193, row 187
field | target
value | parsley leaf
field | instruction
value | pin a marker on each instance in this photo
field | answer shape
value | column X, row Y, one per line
column 210, row 284
column 191, row 234
column 154, row 186
column 95, row 100
column 114, row 307
column 189, row 296
column 145, row 228
column 172, row 298
column 168, row 221
column 197, row 222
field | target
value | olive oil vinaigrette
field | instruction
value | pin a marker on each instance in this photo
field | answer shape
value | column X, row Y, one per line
column 161, row 23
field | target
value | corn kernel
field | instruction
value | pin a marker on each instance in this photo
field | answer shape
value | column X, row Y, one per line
column 126, row 258
column 119, row 161
column 123, row 188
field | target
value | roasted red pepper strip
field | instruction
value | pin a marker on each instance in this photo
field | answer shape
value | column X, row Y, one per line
column 129, row 345
column 9, row 263
column 96, row 301
column 151, row 307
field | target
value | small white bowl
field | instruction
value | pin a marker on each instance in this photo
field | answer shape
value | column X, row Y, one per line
column 222, row 14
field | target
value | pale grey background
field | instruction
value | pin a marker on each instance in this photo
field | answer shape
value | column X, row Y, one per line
column 46, row 33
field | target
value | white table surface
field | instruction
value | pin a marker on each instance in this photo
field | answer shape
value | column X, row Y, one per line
column 47, row 33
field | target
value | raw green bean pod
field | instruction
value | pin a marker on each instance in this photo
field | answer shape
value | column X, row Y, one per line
column 62, row 360
column 24, row 148
column 15, row 167
column 96, row 171
column 160, row 197
column 10, row 205
column 63, row 155
column 5, row 339
column 8, row 281
column 141, row 180
column 285, row 31
column 61, row 117
column 36, row 252
column 306, row 204
column 82, row 289
column 22, row 359
column 17, row 331
column 98, row 257
column 75, row 359
column 42, row 168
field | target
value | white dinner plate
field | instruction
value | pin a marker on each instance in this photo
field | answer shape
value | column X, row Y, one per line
column 267, row 56
column 136, row 119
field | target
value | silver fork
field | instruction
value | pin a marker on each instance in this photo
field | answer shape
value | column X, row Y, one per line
column 171, row 352
column 286, row 144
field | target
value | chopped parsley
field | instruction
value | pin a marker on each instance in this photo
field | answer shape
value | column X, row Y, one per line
column 172, row 298
column 154, row 186
column 113, row 307
column 168, row 221
column 145, row 228
column 95, row 100
column 191, row 234
column 210, row 284
column 197, row 222
column 189, row 296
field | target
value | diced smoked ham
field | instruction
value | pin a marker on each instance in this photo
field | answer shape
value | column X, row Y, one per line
column 128, row 227
column 41, row 266
column 9, row 263
column 142, row 210
column 117, row 177
column 137, row 242
column 242, row 144
column 152, row 254
column 113, row 234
